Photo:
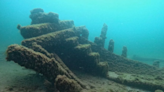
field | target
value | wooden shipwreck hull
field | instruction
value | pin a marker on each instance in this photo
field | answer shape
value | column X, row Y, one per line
column 54, row 47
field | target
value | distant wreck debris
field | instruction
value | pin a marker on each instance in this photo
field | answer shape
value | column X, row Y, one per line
column 124, row 51
column 103, row 33
column 55, row 48
column 139, row 58
column 101, row 40
column 111, row 45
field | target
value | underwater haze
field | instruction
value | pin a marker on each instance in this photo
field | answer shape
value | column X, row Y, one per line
column 136, row 24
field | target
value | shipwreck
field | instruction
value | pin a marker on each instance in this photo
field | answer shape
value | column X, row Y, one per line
column 58, row 49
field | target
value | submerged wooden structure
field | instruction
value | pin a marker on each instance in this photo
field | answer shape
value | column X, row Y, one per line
column 54, row 48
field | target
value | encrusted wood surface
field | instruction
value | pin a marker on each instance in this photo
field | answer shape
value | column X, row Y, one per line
column 121, row 64
column 49, row 67
column 44, row 28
